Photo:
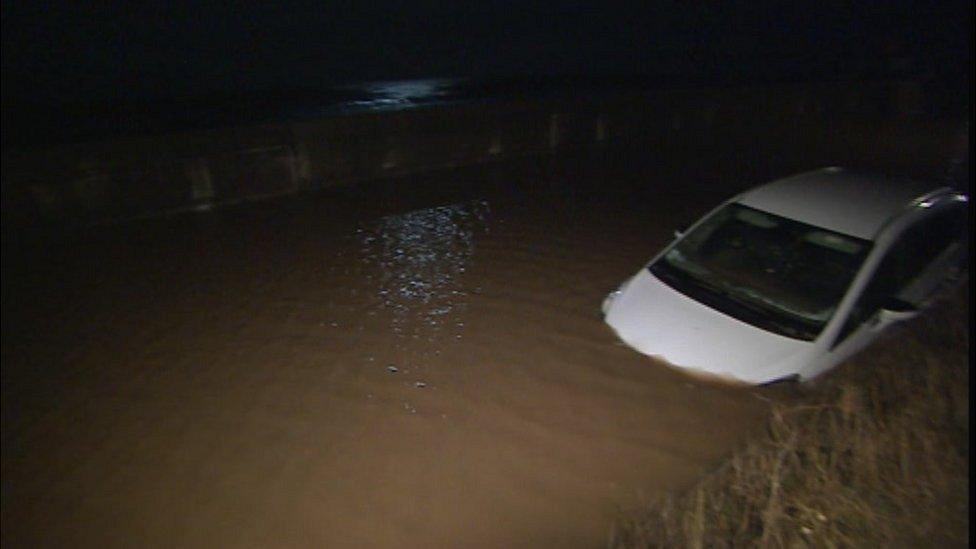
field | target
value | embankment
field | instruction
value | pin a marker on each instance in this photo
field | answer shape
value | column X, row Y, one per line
column 780, row 127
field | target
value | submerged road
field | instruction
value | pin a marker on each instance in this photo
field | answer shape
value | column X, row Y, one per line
column 414, row 363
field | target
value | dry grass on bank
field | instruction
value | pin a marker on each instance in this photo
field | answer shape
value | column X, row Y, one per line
column 875, row 455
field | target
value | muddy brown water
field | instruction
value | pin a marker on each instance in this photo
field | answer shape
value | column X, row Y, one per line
column 416, row 363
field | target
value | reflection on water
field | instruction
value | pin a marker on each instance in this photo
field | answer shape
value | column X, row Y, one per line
column 418, row 258
column 401, row 94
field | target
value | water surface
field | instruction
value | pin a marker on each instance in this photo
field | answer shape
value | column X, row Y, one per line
column 417, row 363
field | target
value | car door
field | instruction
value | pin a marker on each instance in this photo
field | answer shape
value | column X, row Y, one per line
column 911, row 274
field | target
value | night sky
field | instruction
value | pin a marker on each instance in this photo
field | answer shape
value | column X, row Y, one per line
column 56, row 53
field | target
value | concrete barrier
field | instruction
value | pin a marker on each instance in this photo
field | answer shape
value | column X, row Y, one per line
column 874, row 124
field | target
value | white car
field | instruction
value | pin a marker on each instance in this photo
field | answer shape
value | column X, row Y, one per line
column 788, row 279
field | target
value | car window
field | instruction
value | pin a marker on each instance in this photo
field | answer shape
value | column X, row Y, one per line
column 905, row 261
column 918, row 246
column 773, row 272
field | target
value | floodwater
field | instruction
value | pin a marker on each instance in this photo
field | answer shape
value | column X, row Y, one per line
column 415, row 363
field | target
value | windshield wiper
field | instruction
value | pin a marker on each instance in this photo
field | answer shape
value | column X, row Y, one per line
column 757, row 314
column 765, row 314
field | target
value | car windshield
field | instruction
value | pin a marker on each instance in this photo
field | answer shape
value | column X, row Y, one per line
column 773, row 272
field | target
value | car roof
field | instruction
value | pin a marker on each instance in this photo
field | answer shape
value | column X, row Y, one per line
column 844, row 201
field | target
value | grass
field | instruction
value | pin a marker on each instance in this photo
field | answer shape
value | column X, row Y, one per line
column 876, row 454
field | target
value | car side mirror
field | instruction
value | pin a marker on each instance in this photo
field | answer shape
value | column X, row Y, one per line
column 894, row 310
column 682, row 229
column 898, row 305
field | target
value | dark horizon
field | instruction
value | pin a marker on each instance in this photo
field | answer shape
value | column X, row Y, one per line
column 118, row 51
column 81, row 66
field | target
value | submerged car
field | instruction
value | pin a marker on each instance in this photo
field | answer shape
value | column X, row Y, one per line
column 788, row 279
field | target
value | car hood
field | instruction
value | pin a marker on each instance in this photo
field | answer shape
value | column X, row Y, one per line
column 659, row 321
